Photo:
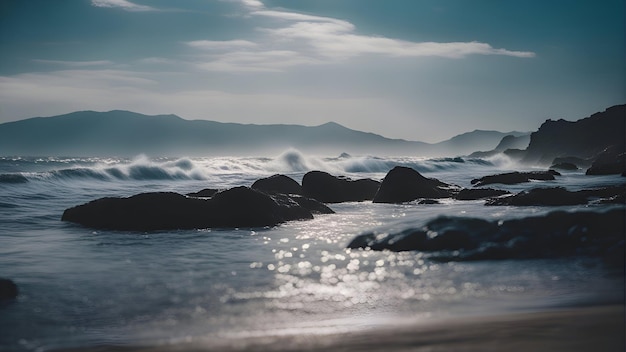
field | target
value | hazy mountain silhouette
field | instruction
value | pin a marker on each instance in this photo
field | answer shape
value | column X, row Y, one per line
column 124, row 133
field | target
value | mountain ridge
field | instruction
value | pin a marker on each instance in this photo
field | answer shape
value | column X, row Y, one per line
column 127, row 133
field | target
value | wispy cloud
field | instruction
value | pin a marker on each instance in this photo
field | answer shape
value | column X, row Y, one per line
column 123, row 4
column 75, row 64
column 300, row 39
column 225, row 44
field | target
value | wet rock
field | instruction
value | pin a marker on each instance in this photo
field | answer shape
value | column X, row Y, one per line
column 205, row 193
column 612, row 161
column 511, row 178
column 552, row 196
column 555, row 196
column 332, row 189
column 480, row 193
column 554, row 235
column 404, row 184
column 278, row 184
column 8, row 289
column 564, row 166
column 235, row 207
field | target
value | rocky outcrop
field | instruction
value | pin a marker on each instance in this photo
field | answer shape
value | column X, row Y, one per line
column 278, row 184
column 507, row 142
column 584, row 138
column 205, row 193
column 555, row 196
column 611, row 161
column 511, row 178
column 327, row 188
column 564, row 166
column 8, row 289
column 557, row 234
column 480, row 193
column 404, row 184
column 235, row 207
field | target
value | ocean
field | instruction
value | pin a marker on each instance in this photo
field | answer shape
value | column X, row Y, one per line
column 85, row 287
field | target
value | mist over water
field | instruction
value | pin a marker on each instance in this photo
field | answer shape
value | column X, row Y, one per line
column 80, row 286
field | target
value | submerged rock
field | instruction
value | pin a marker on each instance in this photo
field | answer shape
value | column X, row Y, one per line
column 404, row 184
column 8, row 289
column 235, row 207
column 554, row 196
column 278, row 184
column 557, row 234
column 332, row 189
column 511, row 178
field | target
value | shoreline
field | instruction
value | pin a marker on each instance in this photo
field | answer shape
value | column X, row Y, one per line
column 597, row 328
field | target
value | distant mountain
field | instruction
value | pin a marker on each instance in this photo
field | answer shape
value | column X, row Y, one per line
column 477, row 140
column 124, row 133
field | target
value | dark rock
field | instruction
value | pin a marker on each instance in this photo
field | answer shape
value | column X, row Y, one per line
column 611, row 161
column 480, row 193
column 8, row 289
column 428, row 201
column 278, row 184
column 235, row 207
column 564, row 166
column 555, row 196
column 511, row 178
column 310, row 204
column 331, row 189
column 403, row 184
column 554, row 235
column 579, row 162
column 584, row 138
column 205, row 193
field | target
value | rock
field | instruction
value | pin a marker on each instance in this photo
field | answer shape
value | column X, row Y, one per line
column 331, row 189
column 278, row 184
column 611, row 161
column 553, row 196
column 584, row 138
column 511, row 178
column 554, row 235
column 235, row 207
column 579, row 162
column 480, row 193
column 205, row 193
column 310, row 204
column 564, row 166
column 403, row 184
column 8, row 289
column 428, row 201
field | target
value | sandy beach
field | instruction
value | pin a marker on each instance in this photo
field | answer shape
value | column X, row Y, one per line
column 573, row 329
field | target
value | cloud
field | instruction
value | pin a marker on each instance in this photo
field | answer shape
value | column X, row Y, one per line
column 76, row 64
column 124, row 4
column 214, row 44
column 293, row 39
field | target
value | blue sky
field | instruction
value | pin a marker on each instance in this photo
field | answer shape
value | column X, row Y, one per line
column 414, row 69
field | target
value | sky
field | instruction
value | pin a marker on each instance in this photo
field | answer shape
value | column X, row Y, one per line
column 422, row 70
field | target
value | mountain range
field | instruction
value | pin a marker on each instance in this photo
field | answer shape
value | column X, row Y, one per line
column 125, row 133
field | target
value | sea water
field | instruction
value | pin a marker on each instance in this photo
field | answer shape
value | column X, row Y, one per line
column 85, row 287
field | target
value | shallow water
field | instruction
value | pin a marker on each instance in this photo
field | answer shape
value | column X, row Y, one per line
column 82, row 287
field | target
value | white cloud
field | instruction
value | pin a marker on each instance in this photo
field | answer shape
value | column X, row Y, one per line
column 75, row 64
column 253, row 4
column 124, row 4
column 294, row 39
column 226, row 44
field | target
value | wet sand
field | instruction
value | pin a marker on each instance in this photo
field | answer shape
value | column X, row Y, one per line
column 574, row 329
